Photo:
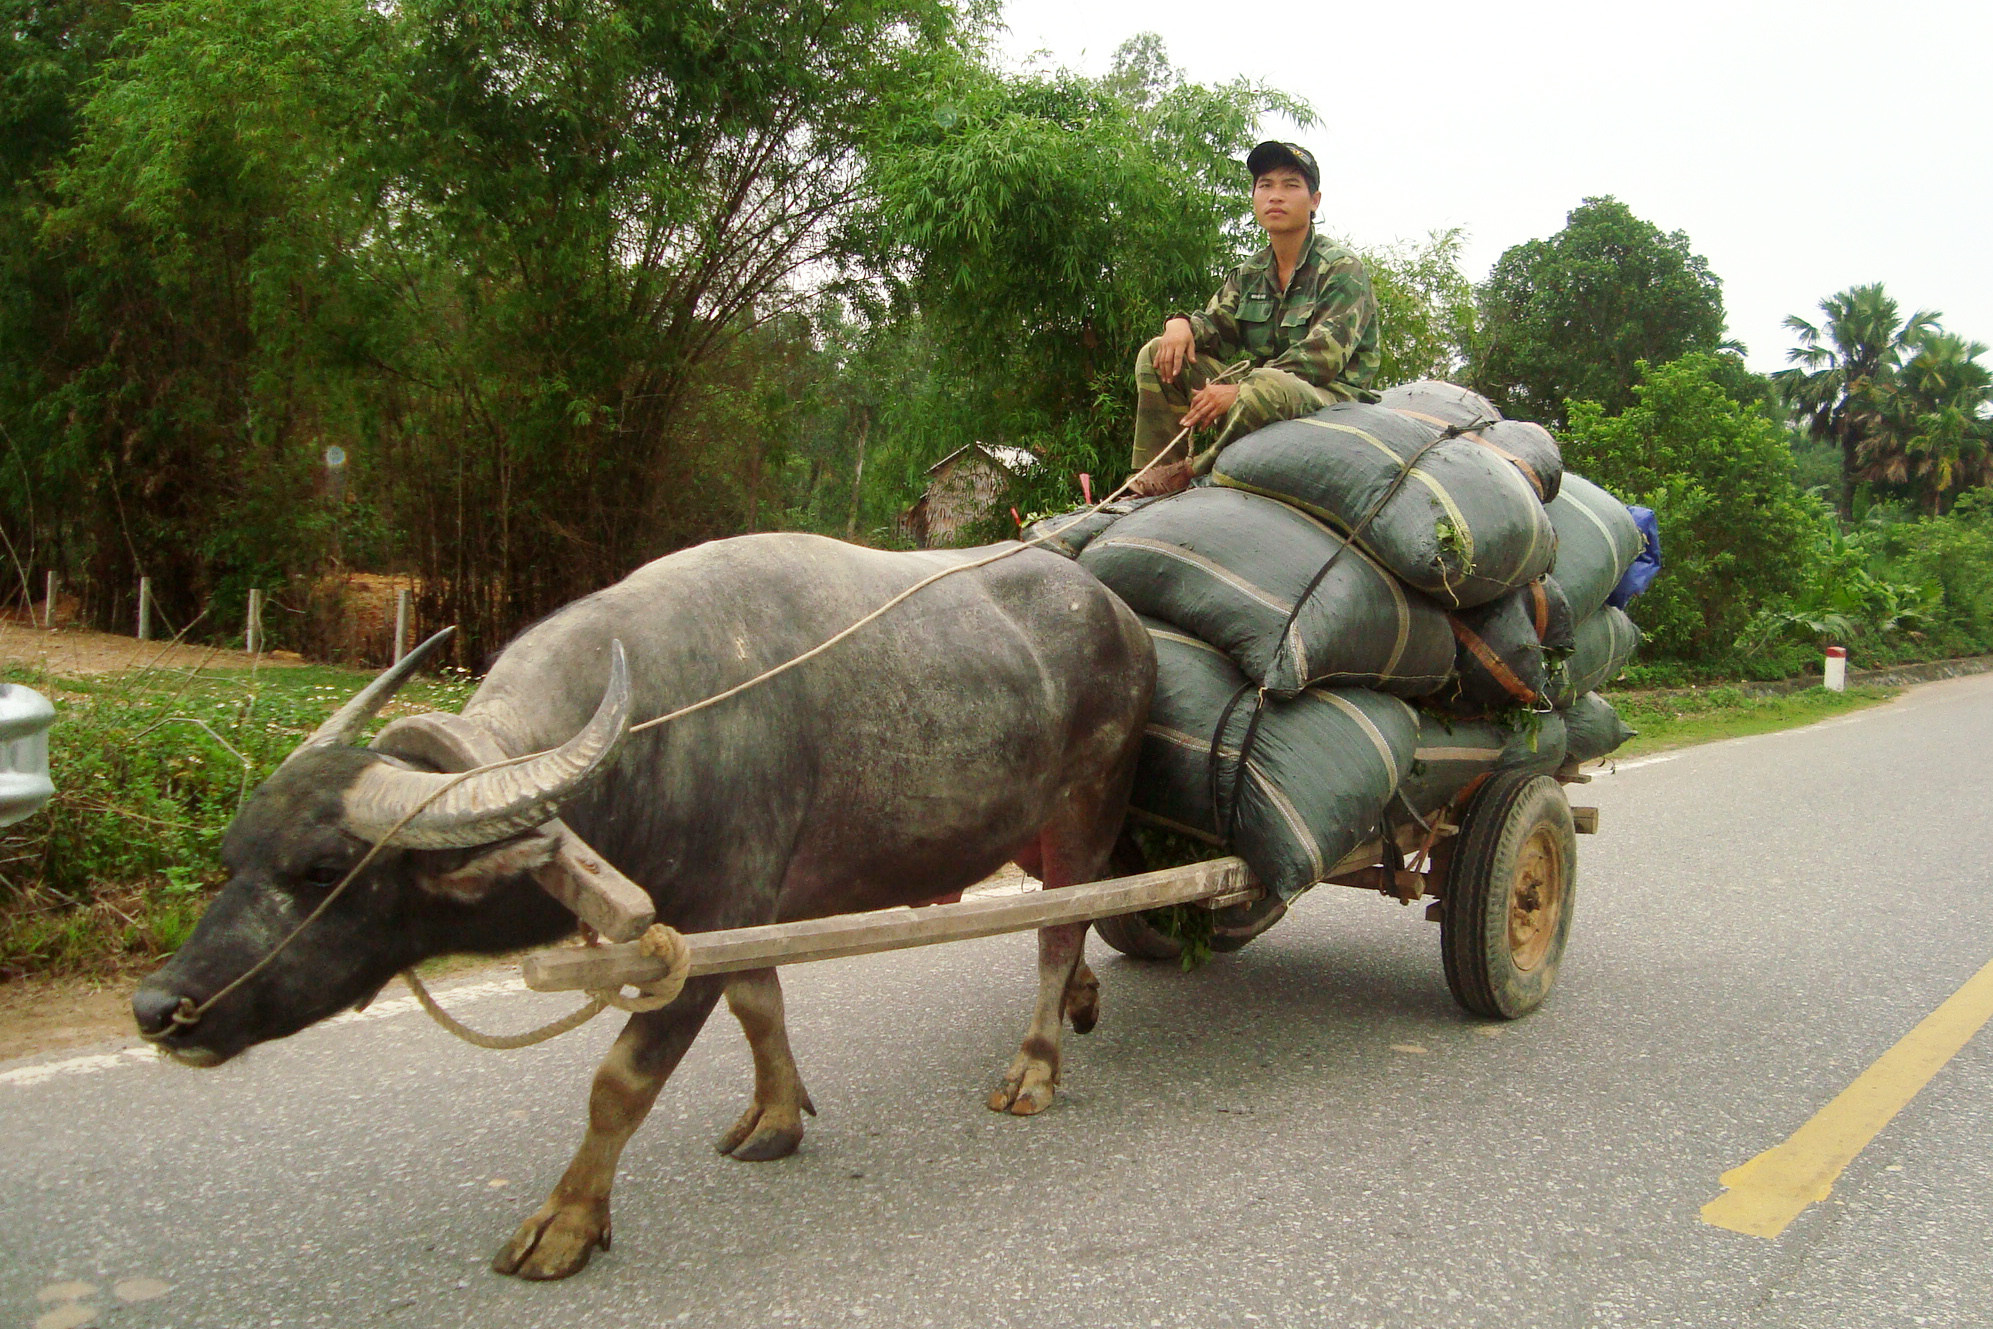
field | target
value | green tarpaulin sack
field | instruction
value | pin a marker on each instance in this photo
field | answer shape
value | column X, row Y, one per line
column 1441, row 403
column 1502, row 659
column 1229, row 568
column 1531, row 449
column 1593, row 728
column 1530, row 446
column 1452, row 753
column 1069, row 532
column 1596, row 542
column 1320, row 770
column 1461, row 524
column 1605, row 643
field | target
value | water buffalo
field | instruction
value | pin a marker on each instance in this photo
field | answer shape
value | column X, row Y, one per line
column 993, row 717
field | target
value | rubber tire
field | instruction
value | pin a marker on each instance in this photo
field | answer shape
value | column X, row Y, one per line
column 1474, row 910
column 1134, row 938
column 1128, row 933
column 1234, row 926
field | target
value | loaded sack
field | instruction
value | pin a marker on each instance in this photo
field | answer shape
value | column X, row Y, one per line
column 1068, row 532
column 1292, row 786
column 1284, row 596
column 1505, row 649
column 1596, row 542
column 1605, row 642
column 1453, row 753
column 1448, row 514
column 1593, row 728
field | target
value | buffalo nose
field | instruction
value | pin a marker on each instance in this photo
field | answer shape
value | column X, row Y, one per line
column 153, row 1008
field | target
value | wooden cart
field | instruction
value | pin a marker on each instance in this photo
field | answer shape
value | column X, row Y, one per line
column 1500, row 868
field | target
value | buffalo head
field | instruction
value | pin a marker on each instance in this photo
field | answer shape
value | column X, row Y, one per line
column 450, row 874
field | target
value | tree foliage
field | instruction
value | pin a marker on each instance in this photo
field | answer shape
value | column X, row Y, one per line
column 1843, row 370
column 1572, row 317
column 1042, row 226
column 501, row 253
column 1718, row 476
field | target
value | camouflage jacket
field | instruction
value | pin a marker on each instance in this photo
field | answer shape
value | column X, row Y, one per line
column 1322, row 329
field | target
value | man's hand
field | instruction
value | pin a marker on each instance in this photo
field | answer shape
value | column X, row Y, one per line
column 1165, row 478
column 1210, row 404
column 1179, row 344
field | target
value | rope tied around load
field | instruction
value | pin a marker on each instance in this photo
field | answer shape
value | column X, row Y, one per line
column 659, row 942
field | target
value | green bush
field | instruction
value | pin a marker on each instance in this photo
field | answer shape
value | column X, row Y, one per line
column 149, row 769
column 1953, row 554
column 1718, row 474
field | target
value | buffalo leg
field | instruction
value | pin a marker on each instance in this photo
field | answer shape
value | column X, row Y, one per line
column 772, row 1126
column 1063, row 855
column 1028, row 1085
column 558, row 1239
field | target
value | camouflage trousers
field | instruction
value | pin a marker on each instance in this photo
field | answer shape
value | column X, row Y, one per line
column 1265, row 395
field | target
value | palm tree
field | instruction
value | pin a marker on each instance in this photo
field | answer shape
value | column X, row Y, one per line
column 1843, row 370
column 1936, row 418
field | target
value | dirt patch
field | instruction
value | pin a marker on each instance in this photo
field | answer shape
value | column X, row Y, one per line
column 72, row 652
column 50, row 1014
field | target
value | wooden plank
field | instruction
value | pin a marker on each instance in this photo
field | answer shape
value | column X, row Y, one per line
column 736, row 949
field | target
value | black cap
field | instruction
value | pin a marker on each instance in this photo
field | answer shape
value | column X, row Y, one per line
column 1271, row 154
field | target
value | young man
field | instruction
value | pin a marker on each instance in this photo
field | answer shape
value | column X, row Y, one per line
column 1301, row 310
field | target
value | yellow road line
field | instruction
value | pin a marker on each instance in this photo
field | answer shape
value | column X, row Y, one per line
column 1771, row 1190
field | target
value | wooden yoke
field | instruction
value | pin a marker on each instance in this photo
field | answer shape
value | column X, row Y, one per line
column 578, row 877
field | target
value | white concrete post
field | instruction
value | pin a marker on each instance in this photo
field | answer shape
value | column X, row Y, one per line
column 48, row 605
column 401, row 615
column 145, row 609
column 1835, row 677
column 253, row 638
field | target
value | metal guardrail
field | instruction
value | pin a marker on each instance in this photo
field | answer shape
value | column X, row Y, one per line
column 25, row 716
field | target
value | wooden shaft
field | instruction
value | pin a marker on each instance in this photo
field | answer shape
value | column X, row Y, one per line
column 736, row 949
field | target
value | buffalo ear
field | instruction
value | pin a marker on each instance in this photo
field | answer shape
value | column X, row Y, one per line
column 467, row 880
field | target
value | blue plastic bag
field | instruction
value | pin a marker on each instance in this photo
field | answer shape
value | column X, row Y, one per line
column 1645, row 567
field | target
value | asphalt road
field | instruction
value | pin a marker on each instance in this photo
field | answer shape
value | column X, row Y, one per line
column 1306, row 1133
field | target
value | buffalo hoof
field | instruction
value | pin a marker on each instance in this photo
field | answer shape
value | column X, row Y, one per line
column 1027, row 1087
column 762, row 1135
column 1083, row 1000
column 556, row 1241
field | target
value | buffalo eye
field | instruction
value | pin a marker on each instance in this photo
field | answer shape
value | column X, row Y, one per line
column 327, row 873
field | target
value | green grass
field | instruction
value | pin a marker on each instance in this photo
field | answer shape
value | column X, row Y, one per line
column 1676, row 719
column 149, row 769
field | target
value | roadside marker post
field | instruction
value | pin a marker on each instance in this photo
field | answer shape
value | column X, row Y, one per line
column 1835, row 676
column 252, row 638
column 401, row 607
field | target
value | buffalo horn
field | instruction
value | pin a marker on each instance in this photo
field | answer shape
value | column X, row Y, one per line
column 490, row 805
column 345, row 724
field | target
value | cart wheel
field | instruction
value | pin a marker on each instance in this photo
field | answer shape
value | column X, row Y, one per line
column 1510, row 890
column 1133, row 937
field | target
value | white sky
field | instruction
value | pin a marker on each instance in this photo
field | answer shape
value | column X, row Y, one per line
column 1804, row 147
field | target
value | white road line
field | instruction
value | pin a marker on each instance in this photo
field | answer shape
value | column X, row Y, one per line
column 1617, row 767
column 469, row 993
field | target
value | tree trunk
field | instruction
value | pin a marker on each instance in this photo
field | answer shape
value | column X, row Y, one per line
column 858, row 472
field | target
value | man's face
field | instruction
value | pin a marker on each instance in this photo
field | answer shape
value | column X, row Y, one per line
column 1282, row 202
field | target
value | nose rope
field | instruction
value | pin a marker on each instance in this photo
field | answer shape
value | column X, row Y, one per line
column 659, row 942
column 186, row 1014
